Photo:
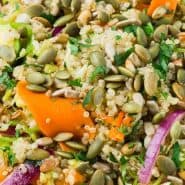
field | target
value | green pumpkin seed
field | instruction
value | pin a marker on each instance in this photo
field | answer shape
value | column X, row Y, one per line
column 141, row 37
column 36, row 88
column 66, row 3
column 125, row 71
column 158, row 117
column 75, row 145
column 181, row 76
column 159, row 12
column 179, row 90
column 132, row 108
column 62, row 75
column 35, row 78
column 75, row 5
column 98, row 96
column 174, row 30
column 113, row 85
column 35, row 10
column 120, row 17
column 43, row 21
column 64, row 136
column 98, row 178
column 161, row 30
column 59, row 84
column 175, row 131
column 47, row 56
column 37, row 154
column 114, row 3
column 48, row 81
column 115, row 78
column 103, row 17
column 108, row 180
column 62, row 21
column 95, row 147
column 166, row 165
column 128, row 22
column 143, row 53
column 137, row 82
column 144, row 17
column 83, row 167
column 175, row 180
column 154, row 50
column 164, row 21
column 65, row 155
column 7, row 53
column 72, row 29
column 97, row 58
column 151, row 83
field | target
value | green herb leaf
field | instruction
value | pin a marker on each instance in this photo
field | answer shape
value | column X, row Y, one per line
column 112, row 158
column 5, row 78
column 100, row 71
column 130, row 29
column 49, row 17
column 120, row 58
column 88, row 98
column 76, row 82
column 148, row 29
column 176, row 154
column 80, row 156
column 118, row 37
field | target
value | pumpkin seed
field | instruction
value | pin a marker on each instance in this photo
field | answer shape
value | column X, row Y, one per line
column 62, row 21
column 175, row 131
column 166, row 165
column 141, row 37
column 137, row 82
column 7, row 53
column 161, row 30
column 75, row 145
column 97, row 58
column 114, row 3
column 120, row 17
column 132, row 108
column 125, row 71
column 103, row 17
column 48, row 81
column 36, row 88
column 75, row 5
column 102, row 166
column 159, row 12
column 143, row 53
column 64, row 136
column 175, row 180
column 35, row 10
column 62, row 75
column 98, row 96
column 66, row 3
column 173, row 30
column 181, row 76
column 113, row 85
column 151, row 82
column 44, row 141
column 47, row 56
column 66, row 155
column 59, row 84
column 37, row 154
column 164, row 21
column 154, row 50
column 72, row 29
column 179, row 90
column 83, row 167
column 135, row 60
column 127, row 23
column 43, row 21
column 152, row 106
column 95, row 147
column 35, row 78
column 144, row 17
column 158, row 117
column 108, row 180
column 98, row 178
column 115, row 78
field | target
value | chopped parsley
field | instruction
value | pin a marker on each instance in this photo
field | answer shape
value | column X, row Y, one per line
column 120, row 58
column 176, row 155
column 118, row 37
column 76, row 82
column 130, row 29
column 88, row 98
column 5, row 78
column 148, row 29
column 100, row 71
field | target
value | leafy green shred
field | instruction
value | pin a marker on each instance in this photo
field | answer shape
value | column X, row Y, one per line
column 176, row 154
column 76, row 82
column 120, row 58
column 148, row 29
column 100, row 71
column 5, row 78
column 80, row 156
column 165, row 53
column 88, row 98
column 130, row 29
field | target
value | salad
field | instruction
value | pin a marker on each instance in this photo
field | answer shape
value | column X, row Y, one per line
column 92, row 92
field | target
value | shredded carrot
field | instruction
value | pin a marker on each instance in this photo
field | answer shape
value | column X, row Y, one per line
column 116, row 135
column 171, row 4
column 65, row 148
column 127, row 121
column 3, row 167
column 54, row 115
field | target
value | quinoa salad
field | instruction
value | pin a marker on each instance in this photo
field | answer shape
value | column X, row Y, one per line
column 92, row 92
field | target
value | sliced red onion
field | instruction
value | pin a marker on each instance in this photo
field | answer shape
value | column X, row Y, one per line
column 22, row 175
column 9, row 132
column 155, row 144
column 56, row 31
